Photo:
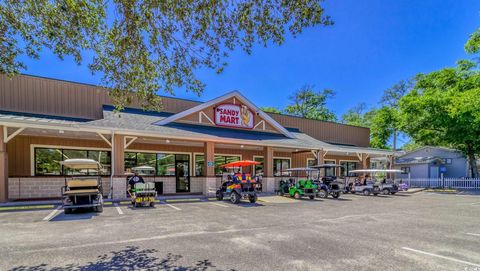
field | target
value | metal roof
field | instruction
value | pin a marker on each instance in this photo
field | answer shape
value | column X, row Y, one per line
column 140, row 123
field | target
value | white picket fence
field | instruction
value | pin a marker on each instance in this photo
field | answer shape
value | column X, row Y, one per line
column 468, row 183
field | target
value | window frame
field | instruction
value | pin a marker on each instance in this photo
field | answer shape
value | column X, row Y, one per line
column 348, row 161
column 215, row 154
column 33, row 155
column 156, row 161
column 281, row 158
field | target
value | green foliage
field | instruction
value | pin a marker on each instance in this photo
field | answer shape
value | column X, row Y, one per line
column 271, row 110
column 383, row 124
column 359, row 116
column 310, row 104
column 473, row 44
column 142, row 46
column 443, row 109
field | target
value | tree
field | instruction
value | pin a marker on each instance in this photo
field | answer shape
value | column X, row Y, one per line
column 473, row 44
column 310, row 104
column 270, row 109
column 142, row 46
column 358, row 116
column 444, row 109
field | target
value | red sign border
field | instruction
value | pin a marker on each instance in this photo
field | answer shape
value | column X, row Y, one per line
column 227, row 126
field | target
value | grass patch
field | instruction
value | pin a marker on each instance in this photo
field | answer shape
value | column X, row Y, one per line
column 33, row 207
column 442, row 190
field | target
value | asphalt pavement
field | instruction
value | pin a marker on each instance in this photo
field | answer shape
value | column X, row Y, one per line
column 422, row 231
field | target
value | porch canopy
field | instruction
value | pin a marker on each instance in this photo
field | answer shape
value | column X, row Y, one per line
column 137, row 123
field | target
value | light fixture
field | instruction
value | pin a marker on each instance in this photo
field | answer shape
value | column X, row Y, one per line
column 61, row 131
column 296, row 150
column 241, row 146
column 167, row 141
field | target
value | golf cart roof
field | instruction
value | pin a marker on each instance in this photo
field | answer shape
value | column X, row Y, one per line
column 81, row 164
column 326, row 166
column 242, row 163
column 143, row 168
column 376, row 171
column 300, row 169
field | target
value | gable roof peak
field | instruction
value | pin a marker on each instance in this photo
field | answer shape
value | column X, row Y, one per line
column 228, row 95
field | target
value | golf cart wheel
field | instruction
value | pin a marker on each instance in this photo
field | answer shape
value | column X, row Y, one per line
column 322, row 193
column 366, row 192
column 311, row 197
column 235, row 198
column 297, row 195
column 336, row 195
column 67, row 211
column 393, row 193
column 220, row 196
column 99, row 209
column 252, row 198
column 152, row 204
column 385, row 191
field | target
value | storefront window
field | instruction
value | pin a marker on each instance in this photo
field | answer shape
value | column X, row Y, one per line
column 166, row 164
column 199, row 162
column 279, row 167
column 330, row 171
column 221, row 160
column 259, row 168
column 47, row 161
column 347, row 166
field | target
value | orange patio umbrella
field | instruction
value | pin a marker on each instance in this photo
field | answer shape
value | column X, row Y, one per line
column 243, row 163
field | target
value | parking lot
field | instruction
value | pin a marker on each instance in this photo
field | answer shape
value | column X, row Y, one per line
column 419, row 231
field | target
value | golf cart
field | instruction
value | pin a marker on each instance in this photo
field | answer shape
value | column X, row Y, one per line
column 373, row 185
column 144, row 194
column 328, row 185
column 238, row 186
column 84, row 191
column 298, row 188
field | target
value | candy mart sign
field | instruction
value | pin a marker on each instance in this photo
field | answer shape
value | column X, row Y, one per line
column 233, row 115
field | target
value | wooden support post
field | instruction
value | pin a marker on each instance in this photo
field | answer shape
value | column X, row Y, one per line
column 119, row 153
column 268, row 162
column 209, row 150
column 3, row 169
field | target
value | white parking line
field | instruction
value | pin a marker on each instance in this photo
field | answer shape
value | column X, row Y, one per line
column 441, row 257
column 174, row 207
column 52, row 214
column 221, row 205
column 472, row 234
column 119, row 210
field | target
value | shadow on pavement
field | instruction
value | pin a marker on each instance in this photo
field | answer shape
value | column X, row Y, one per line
column 130, row 258
column 80, row 214
column 249, row 205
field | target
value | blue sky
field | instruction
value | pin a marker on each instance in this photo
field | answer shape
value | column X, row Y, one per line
column 372, row 45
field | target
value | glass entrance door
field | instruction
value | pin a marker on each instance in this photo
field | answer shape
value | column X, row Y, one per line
column 182, row 172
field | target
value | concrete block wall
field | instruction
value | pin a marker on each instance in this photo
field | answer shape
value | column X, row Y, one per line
column 41, row 187
column 196, row 184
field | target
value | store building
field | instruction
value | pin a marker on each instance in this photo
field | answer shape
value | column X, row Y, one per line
column 44, row 121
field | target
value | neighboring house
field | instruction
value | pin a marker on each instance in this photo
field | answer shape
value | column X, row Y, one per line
column 431, row 162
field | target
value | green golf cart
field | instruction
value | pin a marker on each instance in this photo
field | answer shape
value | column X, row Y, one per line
column 299, row 188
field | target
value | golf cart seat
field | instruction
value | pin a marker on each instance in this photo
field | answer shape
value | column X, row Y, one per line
column 82, row 183
column 81, row 192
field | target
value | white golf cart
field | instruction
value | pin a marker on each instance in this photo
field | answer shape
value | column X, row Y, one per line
column 373, row 181
column 82, row 191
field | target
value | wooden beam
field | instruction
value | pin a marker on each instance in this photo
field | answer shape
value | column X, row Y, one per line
column 7, row 137
column 127, row 143
column 105, row 139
